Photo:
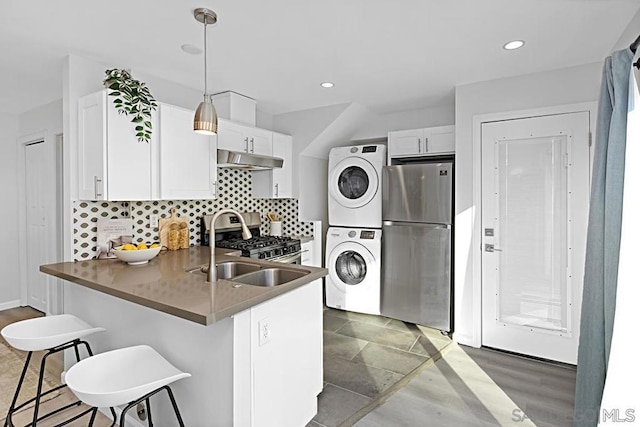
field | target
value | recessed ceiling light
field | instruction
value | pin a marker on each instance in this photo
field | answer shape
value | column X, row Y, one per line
column 191, row 49
column 326, row 84
column 515, row 44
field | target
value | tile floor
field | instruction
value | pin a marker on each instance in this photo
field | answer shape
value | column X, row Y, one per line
column 481, row 387
column 364, row 357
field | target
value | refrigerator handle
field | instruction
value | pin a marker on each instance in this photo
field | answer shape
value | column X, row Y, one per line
column 416, row 224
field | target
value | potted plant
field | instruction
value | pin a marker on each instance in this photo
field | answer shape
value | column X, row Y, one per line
column 132, row 98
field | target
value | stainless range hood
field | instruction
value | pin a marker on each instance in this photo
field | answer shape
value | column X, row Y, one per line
column 248, row 161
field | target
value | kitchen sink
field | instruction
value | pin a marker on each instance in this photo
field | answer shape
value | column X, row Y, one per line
column 269, row 277
column 227, row 270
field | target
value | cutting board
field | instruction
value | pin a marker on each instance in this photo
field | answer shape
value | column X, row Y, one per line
column 165, row 226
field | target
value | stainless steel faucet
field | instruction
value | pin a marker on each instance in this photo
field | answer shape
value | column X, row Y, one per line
column 246, row 234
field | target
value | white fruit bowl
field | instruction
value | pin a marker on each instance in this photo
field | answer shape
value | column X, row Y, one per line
column 136, row 257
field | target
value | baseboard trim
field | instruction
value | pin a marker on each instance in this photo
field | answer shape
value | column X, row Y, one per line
column 9, row 304
column 465, row 339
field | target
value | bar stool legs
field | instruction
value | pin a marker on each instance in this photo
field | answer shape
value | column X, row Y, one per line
column 146, row 399
column 51, row 334
column 39, row 394
column 127, row 376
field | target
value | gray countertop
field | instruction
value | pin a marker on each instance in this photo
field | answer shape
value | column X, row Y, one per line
column 163, row 283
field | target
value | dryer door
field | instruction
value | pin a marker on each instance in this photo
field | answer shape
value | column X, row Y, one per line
column 353, row 182
column 348, row 265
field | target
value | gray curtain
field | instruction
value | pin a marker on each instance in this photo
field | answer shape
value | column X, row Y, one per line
column 603, row 238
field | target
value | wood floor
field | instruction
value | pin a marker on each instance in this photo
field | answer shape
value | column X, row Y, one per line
column 54, row 370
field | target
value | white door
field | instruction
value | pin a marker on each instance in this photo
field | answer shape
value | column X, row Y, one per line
column 37, row 194
column 535, row 198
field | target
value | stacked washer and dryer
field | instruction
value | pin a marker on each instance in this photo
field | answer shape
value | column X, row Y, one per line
column 354, row 239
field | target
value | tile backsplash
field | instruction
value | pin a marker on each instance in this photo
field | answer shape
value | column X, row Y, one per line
column 234, row 191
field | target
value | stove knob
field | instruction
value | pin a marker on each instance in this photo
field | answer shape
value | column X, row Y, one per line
column 262, row 255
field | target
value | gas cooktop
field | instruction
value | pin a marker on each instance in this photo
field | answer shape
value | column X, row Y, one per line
column 262, row 247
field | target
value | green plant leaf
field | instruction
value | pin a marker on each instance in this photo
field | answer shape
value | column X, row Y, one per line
column 132, row 98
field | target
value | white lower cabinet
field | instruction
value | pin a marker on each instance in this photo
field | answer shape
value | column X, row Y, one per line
column 311, row 253
column 188, row 161
column 276, row 183
column 277, row 353
column 307, row 257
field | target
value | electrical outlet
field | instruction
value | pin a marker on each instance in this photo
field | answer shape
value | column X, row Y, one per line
column 141, row 410
column 153, row 221
column 264, row 332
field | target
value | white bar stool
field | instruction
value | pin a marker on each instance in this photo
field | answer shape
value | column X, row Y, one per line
column 53, row 334
column 125, row 376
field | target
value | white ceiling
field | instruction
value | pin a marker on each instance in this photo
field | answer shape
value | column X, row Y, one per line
column 386, row 55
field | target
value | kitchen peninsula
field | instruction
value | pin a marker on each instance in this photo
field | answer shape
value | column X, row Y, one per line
column 254, row 352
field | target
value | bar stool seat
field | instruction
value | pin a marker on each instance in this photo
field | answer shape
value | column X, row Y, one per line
column 43, row 333
column 124, row 376
column 53, row 334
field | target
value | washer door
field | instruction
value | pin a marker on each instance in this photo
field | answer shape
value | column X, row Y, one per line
column 349, row 263
column 353, row 182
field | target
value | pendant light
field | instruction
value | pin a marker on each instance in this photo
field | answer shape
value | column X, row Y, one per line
column 205, row 120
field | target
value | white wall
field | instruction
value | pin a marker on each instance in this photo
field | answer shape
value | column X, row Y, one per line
column 558, row 87
column 317, row 130
column 629, row 34
column 378, row 125
column 9, row 271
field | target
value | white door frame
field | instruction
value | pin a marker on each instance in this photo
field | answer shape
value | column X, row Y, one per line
column 475, row 338
column 51, row 140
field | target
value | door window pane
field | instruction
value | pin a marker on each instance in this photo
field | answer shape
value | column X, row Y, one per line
column 353, row 182
column 532, row 232
column 351, row 267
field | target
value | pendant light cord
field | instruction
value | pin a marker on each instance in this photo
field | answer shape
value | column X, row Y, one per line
column 205, row 57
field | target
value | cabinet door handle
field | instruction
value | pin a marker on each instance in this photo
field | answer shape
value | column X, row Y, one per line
column 246, row 144
column 97, row 186
column 214, row 188
column 253, row 145
column 277, row 190
column 426, row 144
column 419, row 146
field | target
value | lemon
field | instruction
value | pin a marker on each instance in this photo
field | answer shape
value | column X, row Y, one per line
column 154, row 245
column 129, row 247
column 142, row 246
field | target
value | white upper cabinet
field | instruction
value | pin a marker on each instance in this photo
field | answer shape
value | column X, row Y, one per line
column 112, row 164
column 276, row 183
column 187, row 159
column 236, row 137
column 417, row 142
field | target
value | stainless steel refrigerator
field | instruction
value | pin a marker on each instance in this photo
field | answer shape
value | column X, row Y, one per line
column 416, row 245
